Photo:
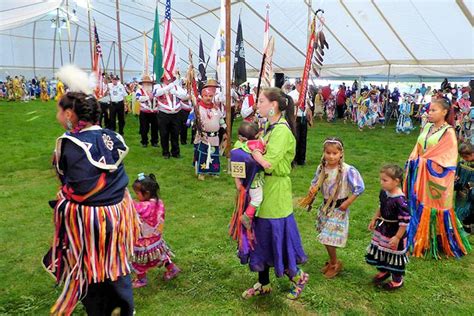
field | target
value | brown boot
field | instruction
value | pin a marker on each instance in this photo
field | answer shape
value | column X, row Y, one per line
column 325, row 268
column 333, row 270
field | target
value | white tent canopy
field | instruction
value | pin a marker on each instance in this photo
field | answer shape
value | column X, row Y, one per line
column 370, row 38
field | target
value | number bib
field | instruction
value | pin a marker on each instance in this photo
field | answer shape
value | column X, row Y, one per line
column 237, row 169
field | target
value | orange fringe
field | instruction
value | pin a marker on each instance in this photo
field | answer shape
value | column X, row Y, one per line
column 85, row 262
column 424, row 235
column 235, row 226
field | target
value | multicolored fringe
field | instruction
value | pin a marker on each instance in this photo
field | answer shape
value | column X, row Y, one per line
column 157, row 251
column 430, row 229
column 91, row 244
column 237, row 231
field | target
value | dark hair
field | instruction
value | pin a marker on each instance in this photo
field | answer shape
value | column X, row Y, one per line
column 393, row 171
column 147, row 184
column 85, row 106
column 285, row 104
column 465, row 149
column 248, row 130
column 445, row 104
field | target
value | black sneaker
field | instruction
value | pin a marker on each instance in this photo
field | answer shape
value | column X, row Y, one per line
column 167, row 156
column 144, row 145
column 177, row 156
column 154, row 145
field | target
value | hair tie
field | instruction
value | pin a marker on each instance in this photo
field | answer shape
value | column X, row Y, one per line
column 141, row 176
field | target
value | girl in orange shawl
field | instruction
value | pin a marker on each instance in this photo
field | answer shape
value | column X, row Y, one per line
column 429, row 186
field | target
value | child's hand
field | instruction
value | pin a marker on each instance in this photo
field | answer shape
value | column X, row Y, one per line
column 266, row 165
column 372, row 224
column 394, row 241
column 344, row 206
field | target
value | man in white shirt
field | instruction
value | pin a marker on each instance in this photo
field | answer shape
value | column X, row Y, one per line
column 117, row 92
column 301, row 124
column 168, row 95
column 104, row 103
column 249, row 105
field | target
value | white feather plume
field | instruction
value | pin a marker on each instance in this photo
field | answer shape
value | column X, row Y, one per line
column 75, row 79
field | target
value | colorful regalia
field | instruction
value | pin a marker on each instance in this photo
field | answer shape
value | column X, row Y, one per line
column 243, row 164
column 44, row 90
column 150, row 249
column 404, row 123
column 318, row 105
column 206, row 144
column 429, row 186
column 94, row 217
column 464, row 187
column 330, row 104
column 394, row 213
column 17, row 89
column 59, row 90
column 369, row 110
column 333, row 224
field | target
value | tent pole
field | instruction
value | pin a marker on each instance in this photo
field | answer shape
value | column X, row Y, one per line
column 90, row 32
column 227, row 77
column 115, row 66
column 388, row 76
column 359, row 87
column 68, row 31
column 119, row 39
column 108, row 57
column 54, row 50
column 34, row 49
column 75, row 42
column 59, row 34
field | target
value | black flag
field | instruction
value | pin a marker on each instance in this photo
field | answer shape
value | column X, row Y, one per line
column 202, row 63
column 240, row 73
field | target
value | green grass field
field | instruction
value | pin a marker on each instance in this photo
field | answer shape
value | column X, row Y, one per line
column 196, row 229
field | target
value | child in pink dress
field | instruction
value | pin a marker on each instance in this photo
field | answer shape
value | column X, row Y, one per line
column 150, row 250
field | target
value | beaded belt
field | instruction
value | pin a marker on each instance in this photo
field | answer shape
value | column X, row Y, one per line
column 338, row 202
column 211, row 134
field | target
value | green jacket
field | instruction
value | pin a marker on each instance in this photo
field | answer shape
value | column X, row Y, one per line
column 277, row 190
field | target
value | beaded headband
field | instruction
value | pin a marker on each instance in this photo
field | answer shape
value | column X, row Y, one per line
column 333, row 141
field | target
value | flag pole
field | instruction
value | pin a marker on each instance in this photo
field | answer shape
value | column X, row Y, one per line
column 227, row 75
column 117, row 7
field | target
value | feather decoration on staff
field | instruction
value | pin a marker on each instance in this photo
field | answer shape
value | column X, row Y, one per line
column 191, row 87
column 319, row 44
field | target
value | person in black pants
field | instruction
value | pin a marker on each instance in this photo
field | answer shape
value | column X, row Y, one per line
column 301, row 136
column 148, row 112
column 186, row 108
column 168, row 95
column 117, row 92
column 301, row 125
column 169, row 130
column 104, row 119
column 117, row 110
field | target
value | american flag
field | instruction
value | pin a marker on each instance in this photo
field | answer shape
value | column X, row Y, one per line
column 169, row 56
column 99, row 91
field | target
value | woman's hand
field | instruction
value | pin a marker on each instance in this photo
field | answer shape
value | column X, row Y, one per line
column 394, row 241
